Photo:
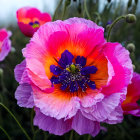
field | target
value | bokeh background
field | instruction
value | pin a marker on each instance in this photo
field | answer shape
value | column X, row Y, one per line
column 102, row 12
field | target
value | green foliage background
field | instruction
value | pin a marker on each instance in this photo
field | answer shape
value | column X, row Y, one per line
column 123, row 32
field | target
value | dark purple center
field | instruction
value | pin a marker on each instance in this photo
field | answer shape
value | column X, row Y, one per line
column 34, row 23
column 72, row 76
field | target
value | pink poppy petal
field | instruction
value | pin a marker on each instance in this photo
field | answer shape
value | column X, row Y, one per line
column 3, row 34
column 122, row 65
column 89, row 23
column 53, row 106
column 45, row 17
column 108, row 109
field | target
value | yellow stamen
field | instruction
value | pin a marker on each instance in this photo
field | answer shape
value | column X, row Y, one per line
column 35, row 25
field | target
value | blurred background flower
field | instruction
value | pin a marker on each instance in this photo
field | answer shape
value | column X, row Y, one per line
column 5, row 43
column 29, row 20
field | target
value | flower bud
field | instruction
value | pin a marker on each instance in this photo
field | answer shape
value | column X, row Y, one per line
column 130, row 47
column 13, row 50
column 134, row 67
column 130, row 18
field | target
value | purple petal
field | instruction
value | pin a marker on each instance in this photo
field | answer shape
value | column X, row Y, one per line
column 54, row 126
column 66, row 59
column 55, row 80
column 88, row 70
column 83, row 125
column 81, row 60
column 24, row 96
column 55, row 70
column 21, row 75
column 108, row 110
column 91, row 84
column 19, row 69
column 73, row 86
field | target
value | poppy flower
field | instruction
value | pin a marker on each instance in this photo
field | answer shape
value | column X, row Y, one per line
column 5, row 43
column 130, row 105
column 30, row 19
column 73, row 78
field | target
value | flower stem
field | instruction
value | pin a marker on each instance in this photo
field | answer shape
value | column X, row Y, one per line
column 35, row 134
column 89, row 137
column 27, row 136
column 32, row 127
column 59, row 4
column 45, row 136
column 71, row 135
column 64, row 10
column 112, row 25
column 2, row 84
column 5, row 133
column 86, row 10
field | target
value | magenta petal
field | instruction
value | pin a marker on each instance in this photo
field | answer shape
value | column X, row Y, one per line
column 54, row 126
column 83, row 125
column 122, row 65
column 45, row 17
column 130, row 105
column 6, row 47
column 6, row 43
column 135, row 112
column 24, row 96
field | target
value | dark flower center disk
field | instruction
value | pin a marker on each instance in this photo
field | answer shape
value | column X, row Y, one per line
column 72, row 76
column 34, row 24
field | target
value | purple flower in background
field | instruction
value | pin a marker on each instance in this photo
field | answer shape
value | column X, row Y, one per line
column 5, row 43
column 109, row 22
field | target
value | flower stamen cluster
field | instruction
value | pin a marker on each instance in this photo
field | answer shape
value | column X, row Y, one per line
column 72, row 76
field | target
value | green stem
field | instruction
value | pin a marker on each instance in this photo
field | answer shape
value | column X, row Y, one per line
column 59, row 4
column 71, row 135
column 98, row 17
column 112, row 25
column 27, row 136
column 83, row 13
column 86, row 10
column 5, row 133
column 32, row 127
column 64, row 10
column 35, row 134
column 2, row 84
column 89, row 137
column 1, row 98
column 45, row 136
